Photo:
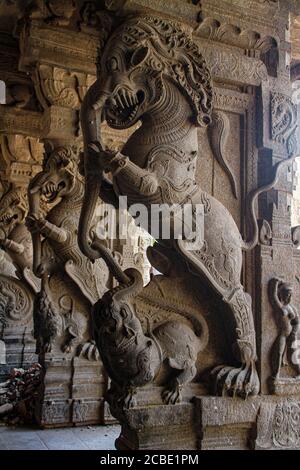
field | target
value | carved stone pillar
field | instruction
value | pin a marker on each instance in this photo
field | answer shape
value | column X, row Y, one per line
column 277, row 259
column 210, row 81
column 20, row 159
column 74, row 381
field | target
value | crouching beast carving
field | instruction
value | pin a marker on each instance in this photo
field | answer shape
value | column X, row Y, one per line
column 152, row 71
column 133, row 358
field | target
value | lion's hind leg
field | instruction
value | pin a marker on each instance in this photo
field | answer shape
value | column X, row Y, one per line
column 243, row 380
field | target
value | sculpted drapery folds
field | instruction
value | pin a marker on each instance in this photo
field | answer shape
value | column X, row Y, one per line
column 152, row 71
column 61, row 185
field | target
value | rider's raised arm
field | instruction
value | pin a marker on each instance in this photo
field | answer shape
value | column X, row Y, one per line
column 276, row 300
column 53, row 232
column 140, row 180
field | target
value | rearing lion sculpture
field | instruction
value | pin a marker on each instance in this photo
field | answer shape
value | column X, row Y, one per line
column 152, row 71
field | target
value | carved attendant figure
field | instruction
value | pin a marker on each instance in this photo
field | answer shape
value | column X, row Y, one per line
column 60, row 182
column 15, row 239
column 18, row 285
column 152, row 71
column 289, row 326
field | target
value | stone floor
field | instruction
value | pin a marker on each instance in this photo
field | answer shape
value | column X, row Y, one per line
column 81, row 438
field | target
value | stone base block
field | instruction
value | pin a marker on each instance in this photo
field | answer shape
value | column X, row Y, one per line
column 20, row 352
column 226, row 423
column 158, row 427
column 72, row 393
column 285, row 386
column 213, row 423
column 61, row 413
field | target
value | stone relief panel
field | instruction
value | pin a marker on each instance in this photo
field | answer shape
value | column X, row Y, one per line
column 283, row 123
column 20, row 158
column 285, row 351
column 278, row 425
column 233, row 65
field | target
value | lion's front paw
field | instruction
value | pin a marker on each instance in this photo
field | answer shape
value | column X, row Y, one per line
column 34, row 223
column 242, row 381
column 172, row 395
column 89, row 351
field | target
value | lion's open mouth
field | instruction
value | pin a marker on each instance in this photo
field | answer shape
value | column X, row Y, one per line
column 51, row 190
column 7, row 219
column 122, row 108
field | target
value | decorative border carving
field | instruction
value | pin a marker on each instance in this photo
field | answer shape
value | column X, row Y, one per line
column 213, row 29
column 227, row 100
column 233, row 66
column 284, row 386
column 59, row 47
column 19, row 121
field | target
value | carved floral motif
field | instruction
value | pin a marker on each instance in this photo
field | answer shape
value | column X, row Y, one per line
column 284, row 122
column 214, row 30
column 16, row 301
column 278, row 425
column 233, row 66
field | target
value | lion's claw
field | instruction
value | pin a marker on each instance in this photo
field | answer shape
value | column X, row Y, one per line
column 172, row 396
column 232, row 381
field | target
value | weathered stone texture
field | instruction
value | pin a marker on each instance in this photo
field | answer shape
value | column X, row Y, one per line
column 199, row 108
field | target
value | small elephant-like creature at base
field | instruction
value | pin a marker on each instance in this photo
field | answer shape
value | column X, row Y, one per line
column 134, row 359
